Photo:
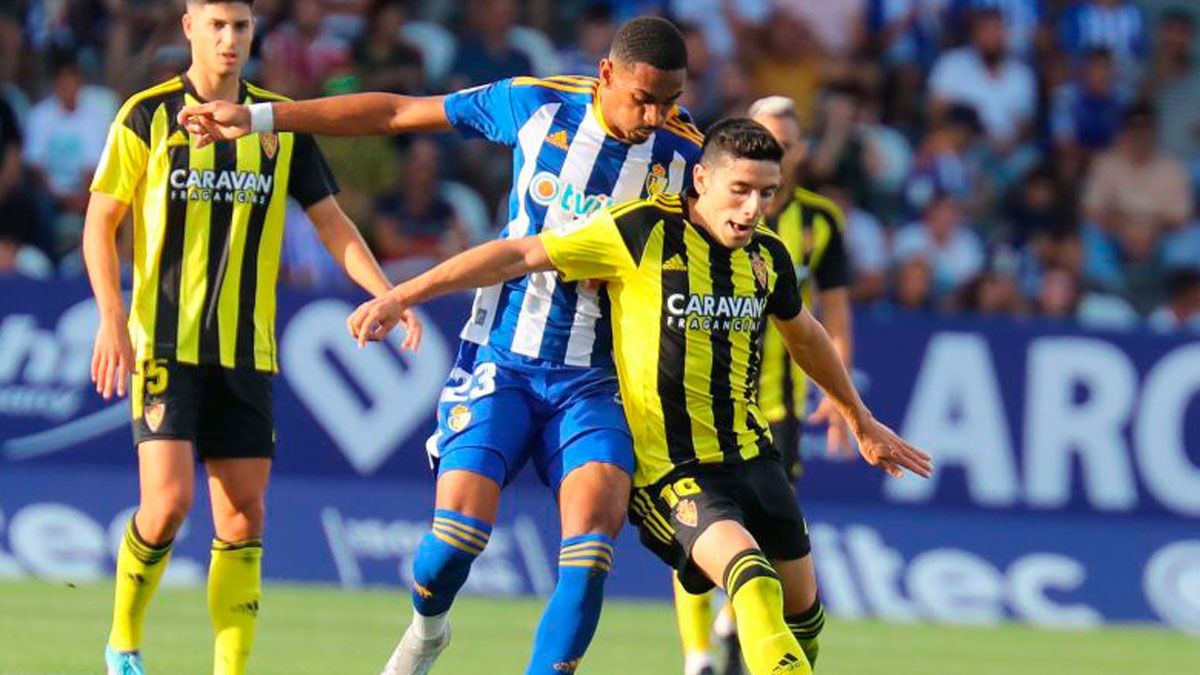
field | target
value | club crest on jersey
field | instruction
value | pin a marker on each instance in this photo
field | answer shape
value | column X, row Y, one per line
column 270, row 144
column 685, row 512
column 153, row 415
column 559, row 139
column 460, row 417
column 759, row 266
column 656, row 180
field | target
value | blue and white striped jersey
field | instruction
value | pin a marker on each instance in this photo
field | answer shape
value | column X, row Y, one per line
column 566, row 165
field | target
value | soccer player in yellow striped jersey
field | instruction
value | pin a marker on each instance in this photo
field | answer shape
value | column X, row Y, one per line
column 810, row 225
column 199, row 340
column 692, row 282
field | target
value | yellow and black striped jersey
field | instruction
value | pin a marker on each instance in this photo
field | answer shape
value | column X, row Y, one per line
column 811, row 227
column 688, row 320
column 208, row 227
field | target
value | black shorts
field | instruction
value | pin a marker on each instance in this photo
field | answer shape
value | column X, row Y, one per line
column 224, row 412
column 672, row 514
column 787, row 434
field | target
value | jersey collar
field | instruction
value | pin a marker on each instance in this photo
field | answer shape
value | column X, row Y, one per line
column 190, row 89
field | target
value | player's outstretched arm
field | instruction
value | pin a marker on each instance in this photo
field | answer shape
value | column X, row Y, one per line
column 370, row 114
column 484, row 265
column 810, row 346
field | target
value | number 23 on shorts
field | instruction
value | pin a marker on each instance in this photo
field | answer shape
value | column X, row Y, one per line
column 479, row 384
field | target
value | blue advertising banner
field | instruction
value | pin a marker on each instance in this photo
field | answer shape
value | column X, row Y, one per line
column 1067, row 490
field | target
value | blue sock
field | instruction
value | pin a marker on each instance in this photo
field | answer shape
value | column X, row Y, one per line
column 444, row 560
column 570, row 619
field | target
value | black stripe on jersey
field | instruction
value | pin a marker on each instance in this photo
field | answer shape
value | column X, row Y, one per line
column 721, row 267
column 635, row 223
column 170, row 263
column 247, row 293
column 754, row 367
column 672, row 355
column 141, row 116
column 219, row 225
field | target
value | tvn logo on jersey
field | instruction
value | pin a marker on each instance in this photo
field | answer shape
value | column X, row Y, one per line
column 206, row 185
column 548, row 190
column 740, row 313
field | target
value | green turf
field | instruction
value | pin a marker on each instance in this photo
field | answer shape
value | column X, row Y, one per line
column 48, row 629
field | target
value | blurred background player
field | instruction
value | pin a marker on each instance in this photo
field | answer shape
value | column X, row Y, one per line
column 199, row 340
column 811, row 226
column 534, row 378
column 711, row 497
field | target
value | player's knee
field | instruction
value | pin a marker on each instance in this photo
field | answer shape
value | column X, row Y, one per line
column 160, row 516
column 242, row 518
column 594, row 500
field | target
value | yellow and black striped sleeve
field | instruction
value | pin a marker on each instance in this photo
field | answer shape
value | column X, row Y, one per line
column 607, row 246
column 126, row 153
column 784, row 302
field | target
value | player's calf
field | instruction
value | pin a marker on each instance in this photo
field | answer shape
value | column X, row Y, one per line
column 806, row 627
column 768, row 644
column 444, row 560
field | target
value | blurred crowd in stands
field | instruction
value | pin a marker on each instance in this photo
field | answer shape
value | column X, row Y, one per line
column 994, row 157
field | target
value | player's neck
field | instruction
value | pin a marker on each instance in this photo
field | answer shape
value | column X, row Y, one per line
column 212, row 86
column 697, row 217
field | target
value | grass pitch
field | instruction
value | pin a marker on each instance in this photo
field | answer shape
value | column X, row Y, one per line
column 53, row 629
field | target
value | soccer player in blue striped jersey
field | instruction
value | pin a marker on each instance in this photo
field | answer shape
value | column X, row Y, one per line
column 534, row 378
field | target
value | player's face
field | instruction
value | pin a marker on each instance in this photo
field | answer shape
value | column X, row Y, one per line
column 636, row 100
column 220, row 34
column 734, row 196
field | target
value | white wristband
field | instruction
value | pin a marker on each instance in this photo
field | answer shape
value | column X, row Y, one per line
column 262, row 118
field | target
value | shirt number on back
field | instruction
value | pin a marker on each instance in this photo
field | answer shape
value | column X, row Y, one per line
column 481, row 383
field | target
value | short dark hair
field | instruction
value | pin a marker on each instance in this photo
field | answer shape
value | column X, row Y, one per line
column 1182, row 281
column 740, row 138
column 650, row 40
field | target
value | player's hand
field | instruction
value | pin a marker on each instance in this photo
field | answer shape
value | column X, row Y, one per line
column 412, row 330
column 215, row 121
column 374, row 319
column 112, row 357
column 838, row 441
column 884, row 448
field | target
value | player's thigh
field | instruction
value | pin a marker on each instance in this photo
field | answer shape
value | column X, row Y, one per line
column 594, row 498
column 587, row 427
column 485, row 421
column 799, row 581
column 773, row 514
column 472, row 494
column 716, row 547
column 237, row 489
column 166, row 477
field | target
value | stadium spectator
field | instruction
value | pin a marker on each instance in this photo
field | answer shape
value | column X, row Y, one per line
column 725, row 23
column 1001, row 89
column 947, row 162
column 1135, row 179
column 942, row 238
column 1182, row 310
column 486, row 54
column 592, row 39
column 1174, row 83
column 384, row 61
column 702, row 96
column 1024, row 22
column 298, row 56
column 787, row 61
column 414, row 228
column 1039, row 204
column 841, row 149
column 866, row 246
column 64, row 138
column 994, row 291
column 912, row 286
column 1117, row 25
column 1086, row 114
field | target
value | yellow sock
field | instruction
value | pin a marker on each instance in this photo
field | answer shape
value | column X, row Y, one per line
column 140, row 566
column 757, row 597
column 694, row 613
column 806, row 627
column 234, row 587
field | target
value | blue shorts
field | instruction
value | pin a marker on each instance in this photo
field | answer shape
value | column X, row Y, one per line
column 499, row 410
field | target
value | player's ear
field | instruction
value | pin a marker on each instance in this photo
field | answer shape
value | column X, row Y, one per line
column 700, row 178
column 186, row 20
column 606, row 72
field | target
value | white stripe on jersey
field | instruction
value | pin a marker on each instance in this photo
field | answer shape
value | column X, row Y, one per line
column 678, row 166
column 532, row 135
column 539, row 291
column 587, row 310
